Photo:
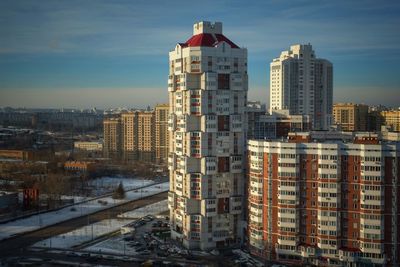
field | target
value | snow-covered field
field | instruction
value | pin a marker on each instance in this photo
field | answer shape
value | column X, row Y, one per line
column 105, row 185
column 93, row 231
column 114, row 245
column 41, row 220
column 83, row 234
column 153, row 209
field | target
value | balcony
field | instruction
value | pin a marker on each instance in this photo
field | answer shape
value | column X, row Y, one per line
column 235, row 206
column 209, row 165
column 171, row 122
column 236, row 123
column 221, row 235
column 237, row 82
column 288, row 160
column 171, row 83
column 349, row 255
column 236, row 164
column 171, row 200
column 209, row 81
column 209, row 207
column 282, row 241
column 256, row 219
column 307, row 251
column 172, row 161
column 209, row 123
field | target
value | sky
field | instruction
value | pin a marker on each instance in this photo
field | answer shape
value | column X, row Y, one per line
column 104, row 54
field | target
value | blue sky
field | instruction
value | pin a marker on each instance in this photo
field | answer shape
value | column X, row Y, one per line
column 115, row 53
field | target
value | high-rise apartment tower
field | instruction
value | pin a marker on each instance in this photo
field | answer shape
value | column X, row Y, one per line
column 112, row 137
column 207, row 94
column 302, row 83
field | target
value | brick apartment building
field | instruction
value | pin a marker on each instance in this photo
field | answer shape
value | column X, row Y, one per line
column 329, row 199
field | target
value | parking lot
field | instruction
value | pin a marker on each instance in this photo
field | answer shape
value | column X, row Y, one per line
column 146, row 236
column 149, row 237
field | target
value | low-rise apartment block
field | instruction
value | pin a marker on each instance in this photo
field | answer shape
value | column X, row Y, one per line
column 351, row 117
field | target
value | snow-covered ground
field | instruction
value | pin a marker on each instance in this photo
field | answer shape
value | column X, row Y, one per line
column 153, row 209
column 83, row 234
column 114, row 245
column 41, row 220
column 105, row 185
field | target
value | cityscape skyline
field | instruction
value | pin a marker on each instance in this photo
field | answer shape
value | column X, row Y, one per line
column 60, row 54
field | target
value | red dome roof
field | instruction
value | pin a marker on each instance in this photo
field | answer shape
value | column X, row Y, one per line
column 208, row 39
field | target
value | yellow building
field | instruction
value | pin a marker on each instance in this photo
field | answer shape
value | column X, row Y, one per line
column 138, row 135
column 145, row 134
column 391, row 118
column 351, row 117
column 129, row 127
column 112, row 137
column 161, row 133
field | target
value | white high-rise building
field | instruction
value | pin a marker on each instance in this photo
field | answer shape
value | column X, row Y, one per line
column 207, row 96
column 302, row 83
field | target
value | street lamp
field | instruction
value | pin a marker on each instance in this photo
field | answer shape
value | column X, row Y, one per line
column 124, row 247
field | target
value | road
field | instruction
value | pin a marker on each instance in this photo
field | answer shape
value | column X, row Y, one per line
column 14, row 246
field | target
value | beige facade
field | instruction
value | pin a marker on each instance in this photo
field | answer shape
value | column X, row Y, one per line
column 138, row 135
column 146, row 135
column 129, row 125
column 161, row 132
column 351, row 117
column 392, row 118
column 89, row 146
column 112, row 137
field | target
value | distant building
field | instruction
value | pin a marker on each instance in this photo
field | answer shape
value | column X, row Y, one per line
column 8, row 201
column 16, row 154
column 254, row 110
column 351, row 117
column 89, row 146
column 391, row 118
column 275, row 125
column 146, row 136
column 66, row 120
column 30, row 197
column 325, row 198
column 161, row 132
column 302, row 84
column 129, row 145
column 142, row 135
column 389, row 135
column 26, row 168
column 79, row 166
column 112, row 137
column 12, row 118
